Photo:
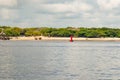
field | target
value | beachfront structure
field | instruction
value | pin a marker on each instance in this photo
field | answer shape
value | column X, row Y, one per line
column 3, row 35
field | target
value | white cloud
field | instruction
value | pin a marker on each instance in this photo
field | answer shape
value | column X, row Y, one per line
column 7, row 14
column 108, row 4
column 34, row 2
column 9, row 3
column 75, row 6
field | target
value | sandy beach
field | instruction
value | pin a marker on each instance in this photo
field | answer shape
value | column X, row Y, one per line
column 63, row 38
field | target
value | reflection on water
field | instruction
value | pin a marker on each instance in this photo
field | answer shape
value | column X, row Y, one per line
column 59, row 60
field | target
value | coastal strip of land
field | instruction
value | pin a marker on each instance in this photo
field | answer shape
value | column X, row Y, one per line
column 63, row 38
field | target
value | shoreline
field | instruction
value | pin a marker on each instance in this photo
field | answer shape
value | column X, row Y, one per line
column 62, row 38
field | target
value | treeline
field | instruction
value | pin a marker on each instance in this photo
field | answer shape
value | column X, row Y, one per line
column 61, row 32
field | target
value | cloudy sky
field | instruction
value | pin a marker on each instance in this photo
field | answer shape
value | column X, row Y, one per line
column 60, row 13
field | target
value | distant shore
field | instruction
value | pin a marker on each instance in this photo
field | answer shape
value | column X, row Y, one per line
column 63, row 38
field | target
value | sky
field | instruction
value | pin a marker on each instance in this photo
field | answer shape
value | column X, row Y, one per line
column 60, row 13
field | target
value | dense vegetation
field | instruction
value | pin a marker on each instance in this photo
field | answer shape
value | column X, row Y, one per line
column 61, row 32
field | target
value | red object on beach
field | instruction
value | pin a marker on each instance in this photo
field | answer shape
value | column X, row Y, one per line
column 71, row 38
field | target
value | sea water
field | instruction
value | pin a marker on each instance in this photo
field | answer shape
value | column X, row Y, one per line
column 59, row 60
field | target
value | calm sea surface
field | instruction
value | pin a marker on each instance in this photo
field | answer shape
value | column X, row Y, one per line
column 59, row 60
